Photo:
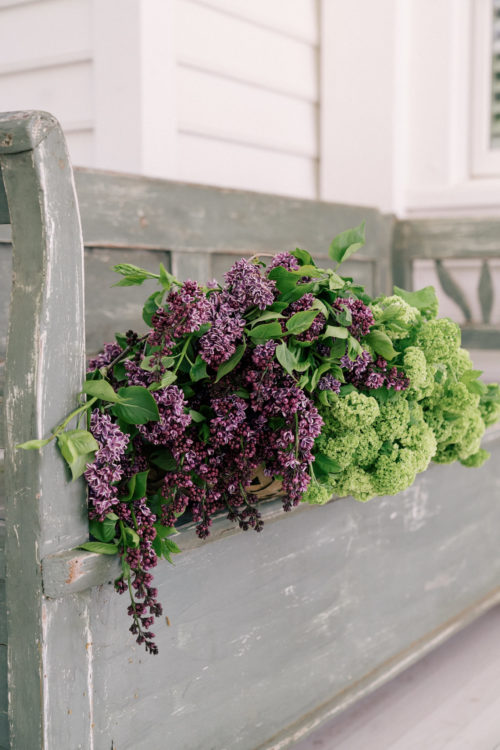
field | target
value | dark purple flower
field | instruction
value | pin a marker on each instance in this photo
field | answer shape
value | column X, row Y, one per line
column 218, row 344
column 329, row 383
column 173, row 419
column 110, row 352
column 362, row 316
column 285, row 260
column 246, row 287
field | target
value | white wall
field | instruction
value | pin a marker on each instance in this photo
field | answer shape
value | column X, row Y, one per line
column 405, row 91
column 46, row 63
column 212, row 91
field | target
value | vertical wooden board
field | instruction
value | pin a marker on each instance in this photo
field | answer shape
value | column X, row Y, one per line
column 67, row 675
column 5, row 286
column 109, row 308
column 266, row 630
column 4, row 209
column 45, row 363
column 4, row 720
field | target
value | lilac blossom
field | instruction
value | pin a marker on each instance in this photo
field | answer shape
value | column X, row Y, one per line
column 246, row 287
column 110, row 352
column 285, row 260
column 362, row 316
column 329, row 383
column 173, row 419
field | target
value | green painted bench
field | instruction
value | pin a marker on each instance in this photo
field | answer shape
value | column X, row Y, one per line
column 269, row 634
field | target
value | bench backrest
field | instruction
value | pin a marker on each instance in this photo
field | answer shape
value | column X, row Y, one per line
column 197, row 232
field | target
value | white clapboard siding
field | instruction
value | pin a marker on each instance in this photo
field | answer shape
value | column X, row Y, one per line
column 296, row 18
column 214, row 162
column 247, row 94
column 232, row 47
column 64, row 90
column 44, row 32
column 222, row 108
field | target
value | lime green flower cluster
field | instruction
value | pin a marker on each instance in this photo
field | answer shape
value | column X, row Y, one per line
column 379, row 440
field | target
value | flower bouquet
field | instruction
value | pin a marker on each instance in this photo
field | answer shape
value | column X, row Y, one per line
column 287, row 380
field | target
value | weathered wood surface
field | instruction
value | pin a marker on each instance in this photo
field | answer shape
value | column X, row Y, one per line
column 457, row 239
column 272, row 633
column 269, row 633
column 45, row 362
column 215, row 225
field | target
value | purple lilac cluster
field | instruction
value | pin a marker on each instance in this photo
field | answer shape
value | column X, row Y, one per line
column 245, row 288
column 365, row 372
column 362, row 316
column 173, row 418
column 329, row 383
column 107, row 468
column 144, row 605
column 110, row 352
column 185, row 311
column 285, row 260
column 219, row 343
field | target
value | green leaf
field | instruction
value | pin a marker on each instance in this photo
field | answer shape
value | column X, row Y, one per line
column 196, row 416
column 285, row 357
column 136, row 486
column 166, row 278
column 338, row 349
column 198, row 371
column 303, row 256
column 167, row 379
column 101, row 389
column 132, row 537
column 231, row 363
column 78, row 448
column 336, row 332
column 334, row 281
column 346, row 243
column 319, row 371
column 164, row 531
column 265, row 332
column 164, row 460
column 297, row 292
column 346, row 389
column 354, row 347
column 422, row 299
column 267, row 315
column 104, row 531
column 344, row 316
column 31, row 445
column 101, row 547
column 326, row 464
column 149, row 363
column 150, row 307
column 301, row 321
column 133, row 275
column 319, row 305
column 171, row 546
column 381, row 344
column 285, row 280
column 137, row 405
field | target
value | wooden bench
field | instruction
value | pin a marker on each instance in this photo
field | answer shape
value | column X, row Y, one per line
column 270, row 634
